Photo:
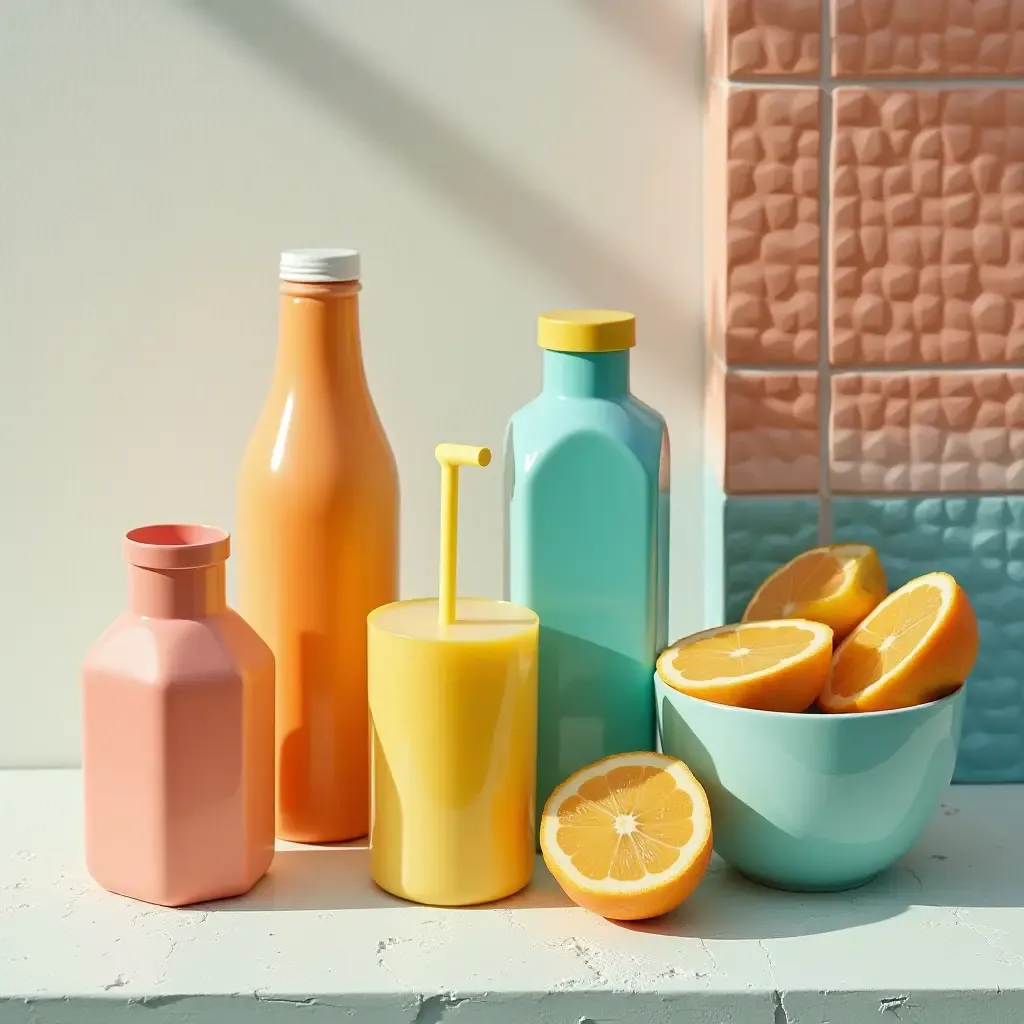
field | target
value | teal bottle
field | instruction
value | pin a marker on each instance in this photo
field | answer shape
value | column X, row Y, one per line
column 587, row 498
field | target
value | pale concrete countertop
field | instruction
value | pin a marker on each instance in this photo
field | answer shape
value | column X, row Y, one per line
column 939, row 939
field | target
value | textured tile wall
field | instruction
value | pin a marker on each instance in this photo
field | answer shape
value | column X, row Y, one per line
column 763, row 430
column 755, row 37
column 765, row 274
column 927, row 240
column 898, row 38
column 921, row 432
column 865, row 255
column 759, row 534
column 980, row 541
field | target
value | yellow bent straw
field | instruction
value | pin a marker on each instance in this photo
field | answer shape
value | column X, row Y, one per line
column 451, row 456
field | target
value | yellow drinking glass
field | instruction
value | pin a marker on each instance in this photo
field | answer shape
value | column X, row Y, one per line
column 453, row 710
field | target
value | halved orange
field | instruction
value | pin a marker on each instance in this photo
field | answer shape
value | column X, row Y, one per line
column 768, row 666
column 838, row 584
column 918, row 645
column 628, row 837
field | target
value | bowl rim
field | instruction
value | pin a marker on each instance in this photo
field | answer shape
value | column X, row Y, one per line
column 852, row 716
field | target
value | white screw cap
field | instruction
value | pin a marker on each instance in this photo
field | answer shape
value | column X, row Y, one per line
column 319, row 266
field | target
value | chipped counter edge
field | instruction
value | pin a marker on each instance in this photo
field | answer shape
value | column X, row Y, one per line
column 939, row 939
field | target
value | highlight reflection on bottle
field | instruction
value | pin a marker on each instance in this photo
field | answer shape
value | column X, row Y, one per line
column 587, row 487
column 317, row 545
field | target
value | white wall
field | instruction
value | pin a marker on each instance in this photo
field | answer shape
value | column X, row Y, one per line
column 490, row 160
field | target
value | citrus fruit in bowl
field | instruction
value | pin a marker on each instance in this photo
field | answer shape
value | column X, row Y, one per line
column 919, row 644
column 769, row 666
column 824, row 801
column 838, row 585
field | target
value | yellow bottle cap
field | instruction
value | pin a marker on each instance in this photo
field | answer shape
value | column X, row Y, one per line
column 586, row 330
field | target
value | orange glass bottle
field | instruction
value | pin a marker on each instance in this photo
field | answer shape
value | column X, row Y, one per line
column 317, row 545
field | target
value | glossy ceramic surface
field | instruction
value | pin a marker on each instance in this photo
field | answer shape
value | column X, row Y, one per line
column 811, row 801
column 178, row 730
column 587, row 482
column 454, row 723
column 317, row 551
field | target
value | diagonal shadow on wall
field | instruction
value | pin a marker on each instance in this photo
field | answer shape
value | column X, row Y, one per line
column 341, row 81
column 655, row 30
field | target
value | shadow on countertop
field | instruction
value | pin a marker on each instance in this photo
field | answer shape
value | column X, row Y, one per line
column 966, row 859
column 326, row 878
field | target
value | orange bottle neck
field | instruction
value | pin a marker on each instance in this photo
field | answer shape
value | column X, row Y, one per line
column 319, row 342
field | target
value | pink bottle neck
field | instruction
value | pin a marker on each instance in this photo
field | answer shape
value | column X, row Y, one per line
column 177, row 593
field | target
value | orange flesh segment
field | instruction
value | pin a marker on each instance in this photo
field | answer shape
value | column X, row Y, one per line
column 627, row 824
column 744, row 651
column 812, row 577
column 894, row 632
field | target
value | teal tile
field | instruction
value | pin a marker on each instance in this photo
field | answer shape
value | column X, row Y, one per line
column 748, row 539
column 980, row 541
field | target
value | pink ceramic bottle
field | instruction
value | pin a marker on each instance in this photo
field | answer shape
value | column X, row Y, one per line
column 178, row 717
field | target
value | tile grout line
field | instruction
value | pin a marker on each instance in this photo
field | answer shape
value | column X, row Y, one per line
column 879, row 369
column 824, row 296
column 829, row 84
column 902, row 495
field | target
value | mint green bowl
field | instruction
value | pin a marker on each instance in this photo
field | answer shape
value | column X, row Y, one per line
column 814, row 802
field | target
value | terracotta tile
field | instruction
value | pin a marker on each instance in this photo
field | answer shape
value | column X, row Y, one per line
column 928, row 37
column 764, row 37
column 763, row 431
column 928, row 226
column 945, row 431
column 763, row 224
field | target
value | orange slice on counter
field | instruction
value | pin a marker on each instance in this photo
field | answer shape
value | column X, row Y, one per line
column 839, row 585
column 628, row 837
column 769, row 666
column 918, row 645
